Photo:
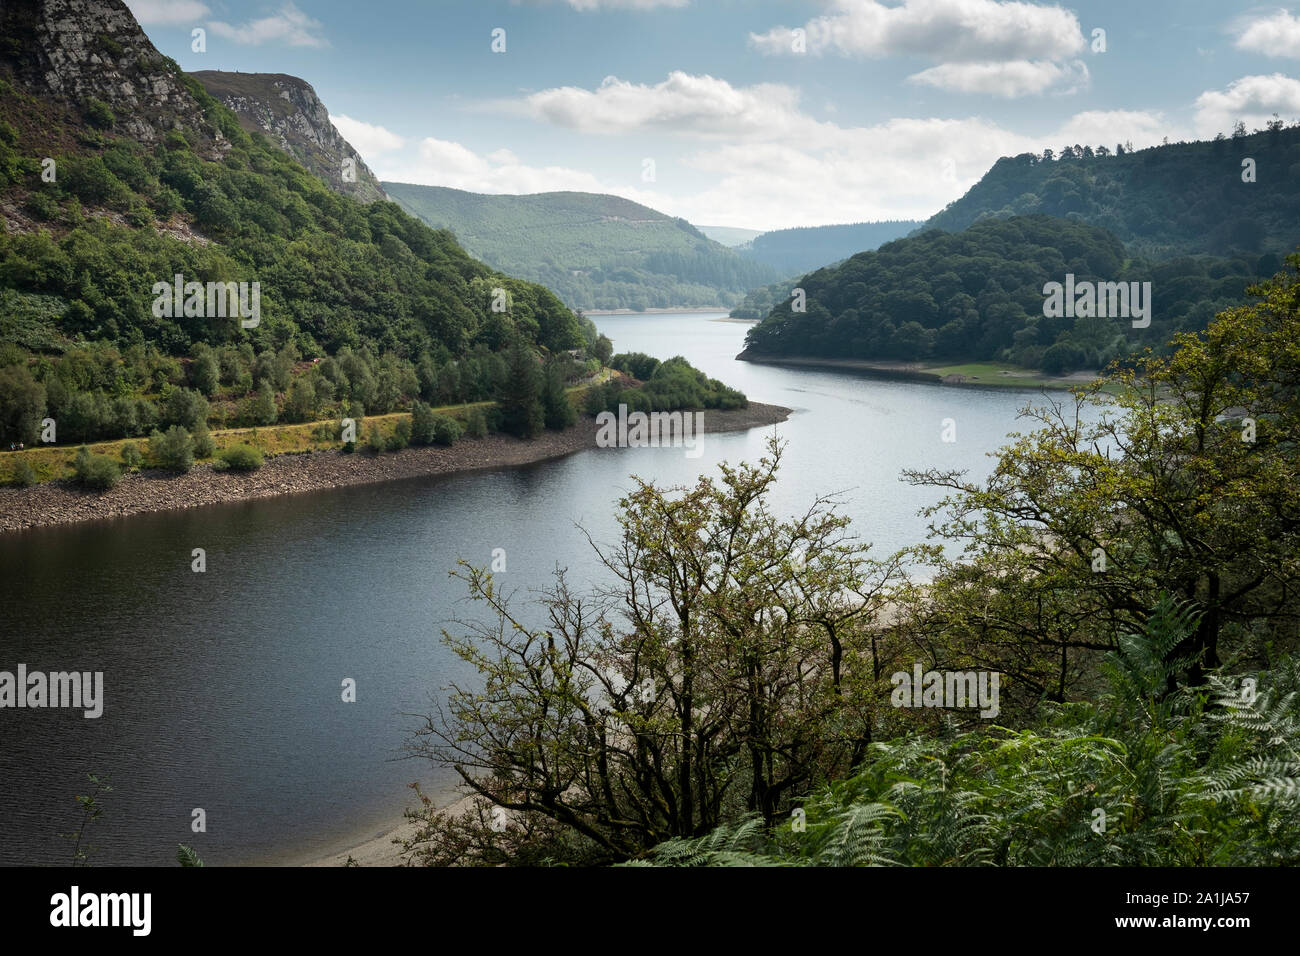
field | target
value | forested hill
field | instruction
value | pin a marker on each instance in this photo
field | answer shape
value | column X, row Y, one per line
column 1184, row 198
column 796, row 251
column 978, row 295
column 595, row 251
column 118, row 172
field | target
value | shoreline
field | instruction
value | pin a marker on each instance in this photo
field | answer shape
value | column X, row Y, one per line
column 916, row 372
column 694, row 310
column 60, row 502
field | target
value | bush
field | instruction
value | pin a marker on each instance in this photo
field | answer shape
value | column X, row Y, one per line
column 476, row 423
column 132, row 459
column 423, row 421
column 374, row 440
column 172, row 449
column 24, row 477
column 204, row 446
column 446, row 430
column 99, row 114
column 95, row 471
column 241, row 457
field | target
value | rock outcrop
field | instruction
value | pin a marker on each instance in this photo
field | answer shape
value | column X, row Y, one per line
column 287, row 109
column 92, row 54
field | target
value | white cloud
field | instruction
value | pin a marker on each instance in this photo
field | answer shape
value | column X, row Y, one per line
column 684, row 103
column 1006, row 79
column 943, row 30
column 445, row 163
column 1276, row 35
column 167, row 12
column 1251, row 99
column 772, row 164
column 289, row 26
column 366, row 138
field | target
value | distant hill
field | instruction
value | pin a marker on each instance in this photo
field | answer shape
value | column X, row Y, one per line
column 978, row 295
column 1184, row 198
column 796, row 251
column 288, row 110
column 594, row 251
column 728, row 235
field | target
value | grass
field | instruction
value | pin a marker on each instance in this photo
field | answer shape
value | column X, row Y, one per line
column 997, row 373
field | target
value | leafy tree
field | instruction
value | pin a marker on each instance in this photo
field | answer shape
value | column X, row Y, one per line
column 522, row 414
column 172, row 449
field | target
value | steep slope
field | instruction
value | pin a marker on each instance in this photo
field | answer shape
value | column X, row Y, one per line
column 978, row 295
column 288, row 110
column 149, row 178
column 1184, row 198
column 595, row 251
column 89, row 65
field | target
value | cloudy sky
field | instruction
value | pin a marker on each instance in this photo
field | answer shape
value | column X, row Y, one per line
column 751, row 113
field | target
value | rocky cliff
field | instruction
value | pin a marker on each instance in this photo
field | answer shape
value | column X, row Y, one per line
column 90, row 57
column 288, row 110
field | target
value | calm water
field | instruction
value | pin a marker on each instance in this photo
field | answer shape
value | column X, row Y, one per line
column 223, row 689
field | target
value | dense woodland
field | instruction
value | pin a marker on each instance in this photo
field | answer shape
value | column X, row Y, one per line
column 977, row 295
column 1176, row 199
column 594, row 251
column 364, row 309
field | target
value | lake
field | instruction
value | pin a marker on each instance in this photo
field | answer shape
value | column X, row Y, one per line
column 222, row 689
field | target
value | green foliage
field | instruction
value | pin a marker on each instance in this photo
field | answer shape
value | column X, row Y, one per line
column 98, row 113
column 24, row 476
column 476, row 425
column 796, row 251
column 671, row 386
column 1180, row 199
column 978, row 295
column 1192, row 778
column 600, row 252
column 446, row 430
column 132, row 458
column 522, row 414
column 186, row 856
column 172, row 449
column 99, row 472
column 241, row 457
column 558, row 412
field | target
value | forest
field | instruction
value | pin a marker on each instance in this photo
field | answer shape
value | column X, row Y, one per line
column 599, row 252
column 977, row 295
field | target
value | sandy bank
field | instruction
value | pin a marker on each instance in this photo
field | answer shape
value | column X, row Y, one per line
column 61, row 502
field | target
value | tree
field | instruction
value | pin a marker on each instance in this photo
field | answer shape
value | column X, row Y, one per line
column 172, row 449
column 1184, row 481
column 731, row 667
column 264, row 408
column 22, row 404
column 521, row 407
column 557, row 410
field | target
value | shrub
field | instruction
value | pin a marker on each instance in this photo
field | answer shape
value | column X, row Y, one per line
column 446, row 430
column 24, row 477
column 374, row 440
column 172, row 449
column 132, row 459
column 204, row 446
column 95, row 471
column 476, row 423
column 423, row 421
column 241, row 457
column 98, row 114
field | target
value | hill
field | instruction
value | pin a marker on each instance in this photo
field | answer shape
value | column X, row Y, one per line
column 730, row 236
column 978, row 295
column 119, row 172
column 595, row 251
column 1179, row 199
column 288, row 110
column 796, row 251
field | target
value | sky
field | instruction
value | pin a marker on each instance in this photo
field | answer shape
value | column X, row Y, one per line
column 755, row 114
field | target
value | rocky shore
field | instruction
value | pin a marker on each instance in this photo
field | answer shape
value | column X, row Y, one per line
column 61, row 502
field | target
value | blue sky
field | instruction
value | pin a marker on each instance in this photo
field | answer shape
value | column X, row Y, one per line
column 750, row 113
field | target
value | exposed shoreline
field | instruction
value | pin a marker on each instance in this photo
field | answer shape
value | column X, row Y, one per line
column 914, row 372
column 702, row 310
column 61, row 502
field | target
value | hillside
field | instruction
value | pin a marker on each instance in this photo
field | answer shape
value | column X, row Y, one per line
column 978, row 296
column 288, row 111
column 730, row 236
column 595, row 251
column 118, row 172
column 796, row 251
column 1184, row 198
